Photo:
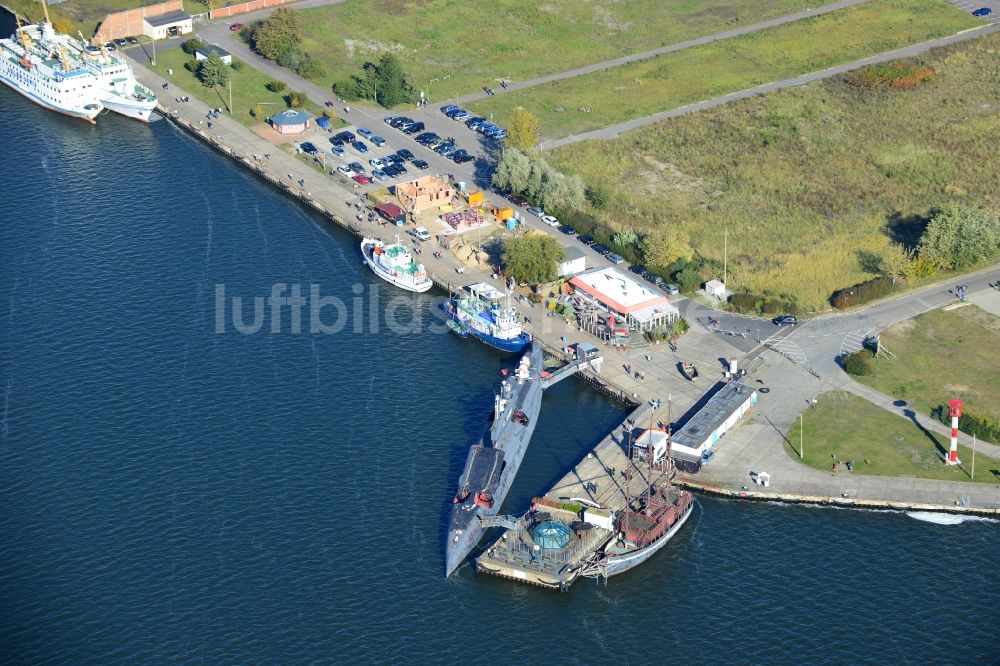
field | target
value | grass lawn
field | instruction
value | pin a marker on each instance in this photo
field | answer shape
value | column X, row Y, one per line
column 248, row 89
column 451, row 47
column 86, row 15
column 691, row 75
column 943, row 355
column 893, row 445
column 809, row 181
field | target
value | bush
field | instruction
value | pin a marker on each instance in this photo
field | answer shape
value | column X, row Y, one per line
column 189, row 46
column 896, row 74
column 983, row 427
column 236, row 64
column 296, row 99
column 757, row 304
column 276, row 86
column 860, row 363
column 863, row 292
column 192, row 66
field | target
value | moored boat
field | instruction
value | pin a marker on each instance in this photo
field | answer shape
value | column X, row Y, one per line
column 487, row 314
column 395, row 264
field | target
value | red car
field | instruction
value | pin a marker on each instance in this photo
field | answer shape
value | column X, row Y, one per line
column 518, row 200
column 236, row 27
column 360, row 178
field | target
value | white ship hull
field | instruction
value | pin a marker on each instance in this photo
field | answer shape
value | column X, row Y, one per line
column 389, row 276
column 88, row 112
column 133, row 109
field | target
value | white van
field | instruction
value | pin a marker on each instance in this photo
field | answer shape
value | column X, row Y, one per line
column 421, row 233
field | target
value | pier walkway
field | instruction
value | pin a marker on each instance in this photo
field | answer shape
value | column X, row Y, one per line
column 636, row 375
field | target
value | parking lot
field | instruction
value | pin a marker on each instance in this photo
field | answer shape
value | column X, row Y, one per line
column 972, row 5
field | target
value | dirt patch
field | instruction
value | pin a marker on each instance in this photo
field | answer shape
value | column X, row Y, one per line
column 665, row 176
column 609, row 21
column 371, row 46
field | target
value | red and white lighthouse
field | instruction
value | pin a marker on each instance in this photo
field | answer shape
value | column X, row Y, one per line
column 954, row 411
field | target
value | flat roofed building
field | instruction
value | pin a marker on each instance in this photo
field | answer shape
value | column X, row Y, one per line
column 640, row 305
column 203, row 52
column 710, row 423
column 168, row 24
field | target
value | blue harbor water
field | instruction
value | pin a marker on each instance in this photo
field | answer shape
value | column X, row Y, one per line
column 172, row 493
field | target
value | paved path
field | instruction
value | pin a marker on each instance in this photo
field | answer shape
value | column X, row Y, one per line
column 615, row 131
column 669, row 48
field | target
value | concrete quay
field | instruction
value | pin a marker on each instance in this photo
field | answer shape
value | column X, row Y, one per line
column 755, row 445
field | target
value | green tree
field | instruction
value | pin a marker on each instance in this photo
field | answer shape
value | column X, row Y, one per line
column 213, row 71
column 278, row 33
column 512, row 172
column 276, row 85
column 189, row 46
column 297, row 99
column 393, row 84
column 533, row 258
column 385, row 81
column 895, row 261
column 522, row 130
column 960, row 236
column 665, row 246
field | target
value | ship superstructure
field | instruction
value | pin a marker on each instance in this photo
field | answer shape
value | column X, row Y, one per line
column 34, row 63
column 485, row 313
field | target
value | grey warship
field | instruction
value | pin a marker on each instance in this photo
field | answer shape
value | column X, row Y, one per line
column 493, row 462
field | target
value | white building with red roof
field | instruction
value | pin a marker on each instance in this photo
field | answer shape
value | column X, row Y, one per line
column 641, row 305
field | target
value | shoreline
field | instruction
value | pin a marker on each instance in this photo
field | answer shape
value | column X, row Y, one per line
column 331, row 194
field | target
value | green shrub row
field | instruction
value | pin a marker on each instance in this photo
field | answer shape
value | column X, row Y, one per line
column 757, row 304
column 983, row 427
column 863, row 292
column 860, row 363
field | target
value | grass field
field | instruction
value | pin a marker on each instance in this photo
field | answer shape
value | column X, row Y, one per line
column 248, row 89
column 893, row 446
column 943, row 355
column 451, row 47
column 811, row 180
column 691, row 75
column 86, row 15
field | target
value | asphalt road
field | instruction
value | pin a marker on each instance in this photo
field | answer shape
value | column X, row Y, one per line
column 669, row 48
column 614, row 131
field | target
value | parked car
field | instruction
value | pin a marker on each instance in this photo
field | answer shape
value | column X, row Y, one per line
column 378, row 163
column 389, row 120
column 475, row 123
column 656, row 279
column 380, row 175
column 360, row 146
column 132, row 40
column 550, row 220
column 568, row 230
column 587, row 240
column 377, row 140
column 346, row 137
column 601, row 249
column 615, row 258
column 982, row 11
column 121, row 42
column 400, row 121
column 448, row 108
column 421, row 165
column 638, row 269
column 336, row 141
column 111, row 47
column 445, row 149
column 308, row 148
column 361, row 179
column 236, row 27
column 421, row 233
column 670, row 289
column 404, row 155
column 536, row 211
column 356, row 167
column 365, row 132
column 461, row 114
column 338, row 150
column 393, row 170
column 461, row 157
column 428, row 138
column 785, row 320
column 517, row 200
column 345, row 171
column 414, row 128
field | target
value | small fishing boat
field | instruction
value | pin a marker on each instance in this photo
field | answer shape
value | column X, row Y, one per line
column 394, row 264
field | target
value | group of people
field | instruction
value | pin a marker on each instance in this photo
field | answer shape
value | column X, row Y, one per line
column 963, row 291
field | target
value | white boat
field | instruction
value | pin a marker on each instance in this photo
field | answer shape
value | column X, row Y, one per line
column 45, row 72
column 122, row 93
column 394, row 264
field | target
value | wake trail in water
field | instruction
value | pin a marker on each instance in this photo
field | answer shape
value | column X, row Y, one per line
column 948, row 518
